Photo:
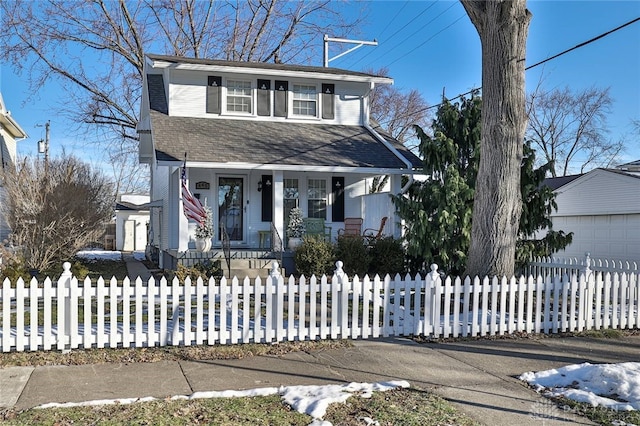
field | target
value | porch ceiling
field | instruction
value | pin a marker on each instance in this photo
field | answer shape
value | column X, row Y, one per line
column 267, row 142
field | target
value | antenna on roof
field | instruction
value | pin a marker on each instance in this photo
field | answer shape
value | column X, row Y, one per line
column 359, row 43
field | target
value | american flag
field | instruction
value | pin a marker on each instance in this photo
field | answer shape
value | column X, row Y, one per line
column 191, row 206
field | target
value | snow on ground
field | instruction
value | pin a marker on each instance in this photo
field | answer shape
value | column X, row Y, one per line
column 99, row 255
column 614, row 386
column 311, row 400
column 107, row 255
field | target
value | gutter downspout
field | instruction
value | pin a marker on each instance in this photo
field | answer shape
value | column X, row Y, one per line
column 387, row 144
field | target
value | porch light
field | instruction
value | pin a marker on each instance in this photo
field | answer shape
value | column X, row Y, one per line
column 268, row 183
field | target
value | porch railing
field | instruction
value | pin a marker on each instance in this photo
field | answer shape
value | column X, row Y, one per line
column 276, row 243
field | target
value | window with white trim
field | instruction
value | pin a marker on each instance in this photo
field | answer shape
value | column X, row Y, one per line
column 239, row 96
column 317, row 198
column 305, row 100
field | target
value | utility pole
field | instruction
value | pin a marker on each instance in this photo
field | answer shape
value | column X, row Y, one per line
column 359, row 43
column 43, row 147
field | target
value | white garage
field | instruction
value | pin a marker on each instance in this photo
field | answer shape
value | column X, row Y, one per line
column 602, row 209
column 132, row 218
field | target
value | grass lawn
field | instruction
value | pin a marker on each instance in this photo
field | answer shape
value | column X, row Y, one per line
column 395, row 407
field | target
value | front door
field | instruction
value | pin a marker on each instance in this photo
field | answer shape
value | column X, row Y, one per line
column 231, row 207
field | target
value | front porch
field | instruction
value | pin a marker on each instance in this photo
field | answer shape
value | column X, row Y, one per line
column 249, row 205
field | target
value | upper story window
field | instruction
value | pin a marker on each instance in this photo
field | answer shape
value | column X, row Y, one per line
column 239, row 96
column 305, row 100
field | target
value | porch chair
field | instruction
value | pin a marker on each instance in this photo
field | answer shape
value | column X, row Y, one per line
column 316, row 227
column 352, row 227
column 371, row 234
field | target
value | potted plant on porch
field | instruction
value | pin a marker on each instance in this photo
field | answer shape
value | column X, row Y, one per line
column 295, row 228
column 204, row 232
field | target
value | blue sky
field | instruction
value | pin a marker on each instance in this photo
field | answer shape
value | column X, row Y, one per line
column 432, row 46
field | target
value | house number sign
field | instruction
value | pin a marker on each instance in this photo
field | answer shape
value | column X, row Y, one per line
column 202, row 185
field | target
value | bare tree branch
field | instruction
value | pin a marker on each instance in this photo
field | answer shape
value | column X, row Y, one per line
column 570, row 128
column 95, row 48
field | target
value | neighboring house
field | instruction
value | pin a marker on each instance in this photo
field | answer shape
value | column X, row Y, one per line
column 260, row 139
column 132, row 221
column 602, row 209
column 10, row 133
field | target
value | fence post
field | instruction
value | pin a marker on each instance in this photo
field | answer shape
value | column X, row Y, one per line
column 275, row 270
column 339, row 272
column 587, row 265
column 433, row 308
column 272, row 287
column 65, row 282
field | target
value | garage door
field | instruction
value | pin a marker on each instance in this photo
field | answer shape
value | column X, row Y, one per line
column 614, row 237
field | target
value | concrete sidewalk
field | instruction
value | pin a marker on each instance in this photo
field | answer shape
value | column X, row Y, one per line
column 478, row 377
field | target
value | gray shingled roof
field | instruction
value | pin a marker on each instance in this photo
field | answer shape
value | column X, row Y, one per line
column 556, row 182
column 260, row 65
column 268, row 142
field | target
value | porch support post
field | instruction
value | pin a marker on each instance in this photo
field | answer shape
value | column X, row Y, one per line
column 183, row 222
column 278, row 202
column 394, row 221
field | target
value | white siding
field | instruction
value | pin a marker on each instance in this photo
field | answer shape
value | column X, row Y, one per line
column 187, row 97
column 599, row 192
column 160, row 191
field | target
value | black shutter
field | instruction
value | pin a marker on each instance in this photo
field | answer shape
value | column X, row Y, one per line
column 264, row 90
column 214, row 94
column 267, row 198
column 280, row 98
column 328, row 101
column 337, row 209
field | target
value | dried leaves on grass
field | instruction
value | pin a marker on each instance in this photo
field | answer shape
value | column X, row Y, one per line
column 192, row 353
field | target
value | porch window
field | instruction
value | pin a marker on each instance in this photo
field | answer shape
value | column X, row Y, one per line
column 304, row 100
column 317, row 198
column 291, row 196
column 239, row 96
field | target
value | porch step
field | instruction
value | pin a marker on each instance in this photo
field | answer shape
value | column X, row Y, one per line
column 252, row 273
column 244, row 263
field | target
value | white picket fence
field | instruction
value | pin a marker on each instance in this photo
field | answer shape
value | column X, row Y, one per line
column 573, row 265
column 69, row 314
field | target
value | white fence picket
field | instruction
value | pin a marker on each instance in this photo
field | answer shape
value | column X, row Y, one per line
column 33, row 314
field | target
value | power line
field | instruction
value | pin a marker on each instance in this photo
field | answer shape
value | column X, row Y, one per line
column 400, row 29
column 583, row 44
column 530, row 66
column 428, row 40
column 417, row 31
column 393, row 19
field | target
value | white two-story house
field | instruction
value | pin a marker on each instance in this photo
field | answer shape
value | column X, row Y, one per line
column 10, row 133
column 259, row 140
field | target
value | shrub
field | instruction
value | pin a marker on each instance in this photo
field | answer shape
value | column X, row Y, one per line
column 204, row 270
column 354, row 254
column 387, row 256
column 314, row 256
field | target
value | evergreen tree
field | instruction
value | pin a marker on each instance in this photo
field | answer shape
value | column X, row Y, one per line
column 438, row 211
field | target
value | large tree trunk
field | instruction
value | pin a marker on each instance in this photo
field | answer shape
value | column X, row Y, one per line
column 503, row 26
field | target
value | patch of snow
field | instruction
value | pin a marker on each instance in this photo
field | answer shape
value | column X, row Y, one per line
column 311, row 400
column 100, row 255
column 614, row 386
